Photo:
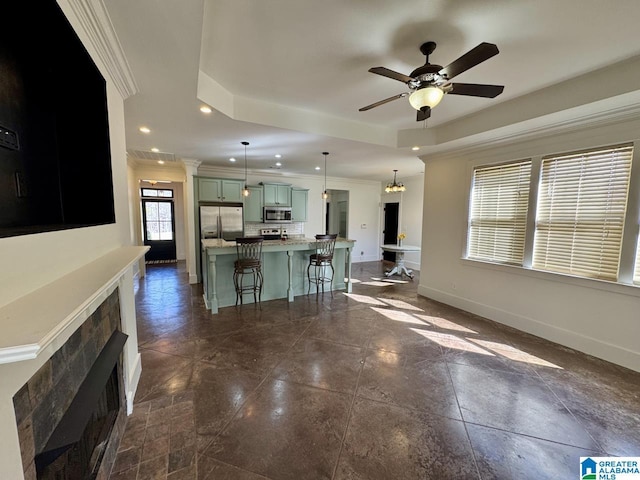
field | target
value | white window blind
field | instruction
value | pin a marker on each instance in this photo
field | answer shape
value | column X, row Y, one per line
column 636, row 275
column 498, row 212
column 581, row 207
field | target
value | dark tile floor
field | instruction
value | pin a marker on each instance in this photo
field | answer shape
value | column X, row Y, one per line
column 380, row 384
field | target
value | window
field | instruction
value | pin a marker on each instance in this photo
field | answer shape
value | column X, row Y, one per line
column 158, row 219
column 636, row 275
column 498, row 212
column 157, row 192
column 582, row 201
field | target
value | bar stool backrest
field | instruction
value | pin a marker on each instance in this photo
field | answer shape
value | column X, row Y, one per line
column 249, row 250
column 325, row 245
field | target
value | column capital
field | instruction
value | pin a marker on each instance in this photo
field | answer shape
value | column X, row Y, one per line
column 191, row 165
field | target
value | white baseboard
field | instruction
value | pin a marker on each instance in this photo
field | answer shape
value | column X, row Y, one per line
column 412, row 265
column 592, row 346
column 193, row 278
column 134, row 378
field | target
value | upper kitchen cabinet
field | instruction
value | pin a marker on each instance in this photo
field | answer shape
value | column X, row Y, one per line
column 299, row 198
column 277, row 195
column 253, row 205
column 219, row 190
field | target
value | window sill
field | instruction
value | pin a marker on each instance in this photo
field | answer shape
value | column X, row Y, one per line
column 604, row 285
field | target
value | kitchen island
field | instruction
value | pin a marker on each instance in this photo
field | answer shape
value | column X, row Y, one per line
column 284, row 267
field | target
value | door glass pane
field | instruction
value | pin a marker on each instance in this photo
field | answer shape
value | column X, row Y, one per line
column 165, row 231
column 151, row 209
column 164, row 212
column 153, row 231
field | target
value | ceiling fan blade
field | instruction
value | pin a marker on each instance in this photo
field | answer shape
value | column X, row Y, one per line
column 382, row 102
column 385, row 72
column 423, row 114
column 473, row 57
column 476, row 90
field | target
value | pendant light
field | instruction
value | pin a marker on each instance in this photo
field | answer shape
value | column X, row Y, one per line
column 325, row 195
column 395, row 186
column 245, row 192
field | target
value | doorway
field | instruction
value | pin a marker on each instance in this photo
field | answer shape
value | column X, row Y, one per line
column 158, row 221
column 337, row 217
column 390, row 232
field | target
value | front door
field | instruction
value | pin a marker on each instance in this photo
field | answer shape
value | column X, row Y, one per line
column 390, row 232
column 159, row 229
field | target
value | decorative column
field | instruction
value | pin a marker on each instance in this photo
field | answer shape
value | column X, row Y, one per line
column 191, row 168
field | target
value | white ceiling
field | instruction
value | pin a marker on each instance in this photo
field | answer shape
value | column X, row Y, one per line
column 289, row 76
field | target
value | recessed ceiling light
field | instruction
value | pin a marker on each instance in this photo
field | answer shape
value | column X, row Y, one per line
column 161, row 162
column 278, row 164
column 277, row 155
column 205, row 109
column 317, row 168
column 145, row 129
column 415, row 148
column 232, row 159
column 155, row 150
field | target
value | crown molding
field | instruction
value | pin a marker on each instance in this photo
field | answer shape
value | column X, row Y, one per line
column 96, row 24
column 627, row 109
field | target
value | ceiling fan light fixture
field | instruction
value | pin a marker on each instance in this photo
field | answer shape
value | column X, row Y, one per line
column 426, row 97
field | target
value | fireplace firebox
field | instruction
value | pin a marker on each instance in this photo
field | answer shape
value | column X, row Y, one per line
column 77, row 444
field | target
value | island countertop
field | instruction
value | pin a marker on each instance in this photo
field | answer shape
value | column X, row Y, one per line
column 220, row 243
column 284, row 269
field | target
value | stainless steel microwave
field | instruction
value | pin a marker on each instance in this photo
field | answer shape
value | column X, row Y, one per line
column 277, row 214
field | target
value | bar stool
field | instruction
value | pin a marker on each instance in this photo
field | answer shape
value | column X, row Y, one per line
column 322, row 261
column 249, row 262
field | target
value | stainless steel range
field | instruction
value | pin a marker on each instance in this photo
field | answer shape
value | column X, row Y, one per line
column 274, row 233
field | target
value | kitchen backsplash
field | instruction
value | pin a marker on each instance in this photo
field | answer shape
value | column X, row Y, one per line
column 294, row 228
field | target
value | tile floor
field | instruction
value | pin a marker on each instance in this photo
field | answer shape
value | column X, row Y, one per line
column 381, row 384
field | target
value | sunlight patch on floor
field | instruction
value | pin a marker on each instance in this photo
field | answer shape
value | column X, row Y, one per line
column 388, row 280
column 446, row 324
column 377, row 284
column 365, row 299
column 513, row 353
column 399, row 316
column 400, row 304
column 451, row 341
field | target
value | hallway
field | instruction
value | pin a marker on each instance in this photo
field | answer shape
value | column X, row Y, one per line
column 378, row 384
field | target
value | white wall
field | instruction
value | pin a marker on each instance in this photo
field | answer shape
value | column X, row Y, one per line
column 599, row 318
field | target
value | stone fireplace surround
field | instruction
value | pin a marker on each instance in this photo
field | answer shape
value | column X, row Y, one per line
column 59, row 324
column 46, row 396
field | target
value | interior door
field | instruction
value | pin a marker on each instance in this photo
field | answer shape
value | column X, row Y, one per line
column 390, row 232
column 159, row 229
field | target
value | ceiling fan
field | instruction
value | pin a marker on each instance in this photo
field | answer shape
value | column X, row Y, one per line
column 429, row 83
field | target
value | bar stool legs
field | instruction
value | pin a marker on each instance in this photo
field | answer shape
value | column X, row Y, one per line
column 248, row 264
column 254, row 287
column 321, row 275
column 322, row 261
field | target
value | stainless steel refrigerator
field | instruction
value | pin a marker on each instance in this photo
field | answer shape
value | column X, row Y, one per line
column 221, row 221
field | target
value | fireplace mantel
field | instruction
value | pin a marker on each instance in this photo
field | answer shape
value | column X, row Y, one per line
column 36, row 320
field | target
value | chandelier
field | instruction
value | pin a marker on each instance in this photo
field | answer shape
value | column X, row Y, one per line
column 395, row 186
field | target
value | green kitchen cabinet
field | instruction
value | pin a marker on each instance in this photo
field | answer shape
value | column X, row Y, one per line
column 219, row 190
column 299, row 198
column 277, row 195
column 253, row 205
